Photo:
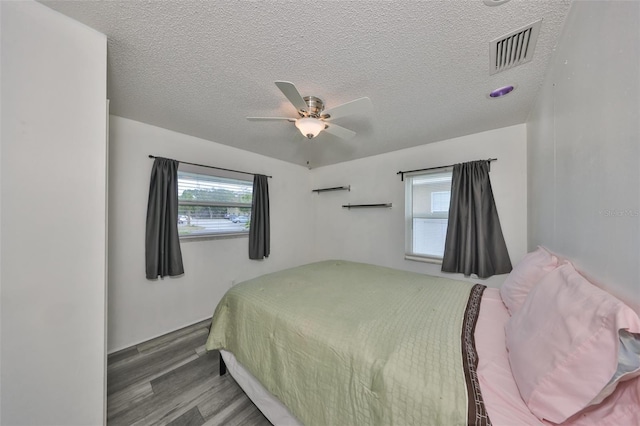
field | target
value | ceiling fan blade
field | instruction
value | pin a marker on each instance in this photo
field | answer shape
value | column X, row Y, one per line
column 358, row 106
column 290, row 91
column 271, row 119
column 339, row 131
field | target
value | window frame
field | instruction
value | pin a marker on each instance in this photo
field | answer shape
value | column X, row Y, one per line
column 214, row 173
column 409, row 215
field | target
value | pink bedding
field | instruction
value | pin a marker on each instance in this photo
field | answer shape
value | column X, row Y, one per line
column 499, row 390
column 501, row 395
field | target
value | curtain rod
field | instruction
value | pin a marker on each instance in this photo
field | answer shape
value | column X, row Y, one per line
column 212, row 167
column 402, row 173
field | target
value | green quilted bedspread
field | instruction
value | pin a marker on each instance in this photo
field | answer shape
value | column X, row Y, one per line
column 343, row 343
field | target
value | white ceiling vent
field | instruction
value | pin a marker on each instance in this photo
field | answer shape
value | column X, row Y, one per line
column 515, row 48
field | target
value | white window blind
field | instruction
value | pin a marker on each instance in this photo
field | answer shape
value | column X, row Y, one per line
column 212, row 205
column 427, row 197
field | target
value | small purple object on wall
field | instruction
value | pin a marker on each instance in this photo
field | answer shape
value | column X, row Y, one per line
column 501, row 91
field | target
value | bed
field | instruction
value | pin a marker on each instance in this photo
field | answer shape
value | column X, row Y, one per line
column 344, row 343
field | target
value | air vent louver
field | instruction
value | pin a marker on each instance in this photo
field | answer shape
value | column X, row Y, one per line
column 515, row 48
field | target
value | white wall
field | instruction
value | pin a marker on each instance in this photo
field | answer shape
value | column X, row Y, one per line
column 1, row 116
column 53, row 242
column 140, row 309
column 584, row 147
column 378, row 235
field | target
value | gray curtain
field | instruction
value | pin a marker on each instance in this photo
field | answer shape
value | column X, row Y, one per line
column 474, row 243
column 162, row 243
column 259, row 233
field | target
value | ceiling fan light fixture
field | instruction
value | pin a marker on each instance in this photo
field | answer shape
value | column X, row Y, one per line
column 309, row 127
column 313, row 118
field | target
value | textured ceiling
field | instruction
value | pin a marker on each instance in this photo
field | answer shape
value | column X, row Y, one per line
column 200, row 68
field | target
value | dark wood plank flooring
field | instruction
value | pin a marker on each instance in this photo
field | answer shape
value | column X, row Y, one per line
column 173, row 380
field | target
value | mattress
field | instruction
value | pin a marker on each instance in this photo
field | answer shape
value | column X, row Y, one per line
column 271, row 407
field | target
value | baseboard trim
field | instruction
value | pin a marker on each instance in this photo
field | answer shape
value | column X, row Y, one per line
column 127, row 347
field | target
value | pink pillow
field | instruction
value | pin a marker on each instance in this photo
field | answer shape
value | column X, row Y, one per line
column 563, row 344
column 524, row 276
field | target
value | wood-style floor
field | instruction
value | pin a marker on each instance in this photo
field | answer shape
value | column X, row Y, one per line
column 173, row 380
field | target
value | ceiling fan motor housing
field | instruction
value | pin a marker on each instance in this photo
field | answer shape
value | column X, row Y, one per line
column 315, row 107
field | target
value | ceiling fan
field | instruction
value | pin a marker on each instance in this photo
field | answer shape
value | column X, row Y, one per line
column 313, row 118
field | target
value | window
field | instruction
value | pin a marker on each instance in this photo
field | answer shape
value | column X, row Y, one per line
column 426, row 213
column 210, row 205
column 440, row 201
